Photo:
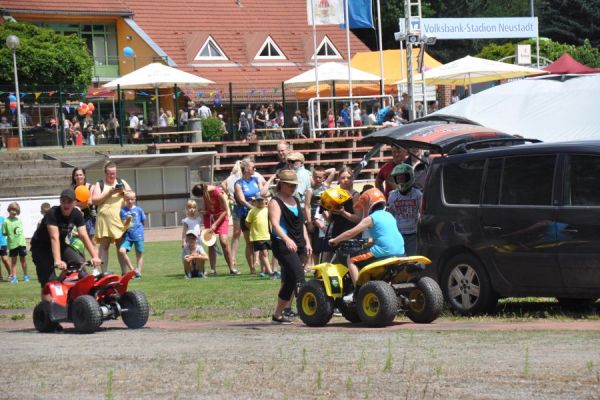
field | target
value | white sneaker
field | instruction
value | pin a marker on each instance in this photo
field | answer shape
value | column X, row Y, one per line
column 349, row 298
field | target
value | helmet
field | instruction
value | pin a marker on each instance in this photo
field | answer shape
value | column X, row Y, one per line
column 332, row 199
column 404, row 176
column 369, row 199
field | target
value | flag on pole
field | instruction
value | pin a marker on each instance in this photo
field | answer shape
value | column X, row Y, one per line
column 326, row 12
column 360, row 14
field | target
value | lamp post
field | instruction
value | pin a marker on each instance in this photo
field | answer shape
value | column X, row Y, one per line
column 12, row 42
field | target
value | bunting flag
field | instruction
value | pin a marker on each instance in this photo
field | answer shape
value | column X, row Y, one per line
column 52, row 93
column 326, row 12
column 200, row 94
column 37, row 94
column 360, row 14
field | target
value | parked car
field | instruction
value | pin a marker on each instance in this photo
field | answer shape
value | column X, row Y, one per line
column 514, row 221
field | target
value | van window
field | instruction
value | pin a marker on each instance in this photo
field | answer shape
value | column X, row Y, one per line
column 491, row 192
column 528, row 180
column 583, row 180
column 462, row 182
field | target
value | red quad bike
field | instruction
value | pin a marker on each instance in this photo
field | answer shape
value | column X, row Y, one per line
column 87, row 300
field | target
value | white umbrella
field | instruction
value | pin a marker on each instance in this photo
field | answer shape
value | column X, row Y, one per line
column 157, row 75
column 469, row 70
column 547, row 108
column 330, row 72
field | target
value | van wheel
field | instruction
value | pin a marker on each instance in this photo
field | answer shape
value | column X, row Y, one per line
column 467, row 287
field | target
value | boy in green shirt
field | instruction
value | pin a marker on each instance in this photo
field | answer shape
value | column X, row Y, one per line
column 12, row 228
column 258, row 220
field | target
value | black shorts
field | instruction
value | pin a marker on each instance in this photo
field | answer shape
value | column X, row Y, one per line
column 261, row 245
column 243, row 225
column 44, row 262
column 20, row 251
column 3, row 251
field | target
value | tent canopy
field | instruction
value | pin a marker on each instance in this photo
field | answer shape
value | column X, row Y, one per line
column 156, row 75
column 342, row 90
column 394, row 69
column 330, row 72
column 545, row 108
column 566, row 64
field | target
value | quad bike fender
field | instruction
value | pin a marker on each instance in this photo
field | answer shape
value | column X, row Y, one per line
column 332, row 276
column 124, row 282
column 57, row 291
column 57, row 312
column 82, row 286
column 376, row 270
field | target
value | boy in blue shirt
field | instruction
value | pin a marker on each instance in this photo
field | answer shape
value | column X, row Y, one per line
column 3, row 251
column 134, row 236
column 387, row 240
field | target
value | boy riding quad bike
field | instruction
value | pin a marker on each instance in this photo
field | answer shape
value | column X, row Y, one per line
column 369, row 284
column 87, row 300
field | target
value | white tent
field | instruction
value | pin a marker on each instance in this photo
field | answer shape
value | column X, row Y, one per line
column 330, row 72
column 155, row 76
column 553, row 108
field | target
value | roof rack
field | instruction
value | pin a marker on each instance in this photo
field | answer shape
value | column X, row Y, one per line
column 489, row 143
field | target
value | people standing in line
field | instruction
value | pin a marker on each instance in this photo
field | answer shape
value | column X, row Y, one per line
column 289, row 239
column 258, row 221
column 404, row 204
column 216, row 219
column 383, row 181
column 245, row 189
column 134, row 236
column 191, row 223
column 78, row 178
column 4, row 251
column 12, row 228
column 107, row 196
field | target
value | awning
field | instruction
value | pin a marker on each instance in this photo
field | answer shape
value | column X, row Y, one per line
column 369, row 61
column 157, row 160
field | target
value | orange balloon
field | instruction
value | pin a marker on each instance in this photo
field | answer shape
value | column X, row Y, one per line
column 91, row 107
column 82, row 193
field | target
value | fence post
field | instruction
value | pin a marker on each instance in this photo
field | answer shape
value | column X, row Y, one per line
column 61, row 123
column 231, row 116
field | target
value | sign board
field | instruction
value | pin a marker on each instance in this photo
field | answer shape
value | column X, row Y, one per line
column 476, row 28
column 524, row 54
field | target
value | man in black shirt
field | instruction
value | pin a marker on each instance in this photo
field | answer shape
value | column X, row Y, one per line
column 50, row 243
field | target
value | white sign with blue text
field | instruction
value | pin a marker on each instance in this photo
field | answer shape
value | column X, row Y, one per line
column 475, row 28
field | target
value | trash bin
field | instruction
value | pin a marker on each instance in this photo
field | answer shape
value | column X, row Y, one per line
column 195, row 125
column 12, row 143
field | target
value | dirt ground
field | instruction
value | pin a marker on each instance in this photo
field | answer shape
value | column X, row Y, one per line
column 254, row 359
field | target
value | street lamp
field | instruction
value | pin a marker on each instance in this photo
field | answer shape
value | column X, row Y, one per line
column 12, row 42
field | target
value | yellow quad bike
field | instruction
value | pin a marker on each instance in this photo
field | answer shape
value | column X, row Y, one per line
column 387, row 287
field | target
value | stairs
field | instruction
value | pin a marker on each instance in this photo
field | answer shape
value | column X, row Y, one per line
column 28, row 174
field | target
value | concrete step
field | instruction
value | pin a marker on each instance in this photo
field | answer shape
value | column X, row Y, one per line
column 35, row 190
column 34, row 165
column 20, row 156
column 51, row 172
column 41, row 180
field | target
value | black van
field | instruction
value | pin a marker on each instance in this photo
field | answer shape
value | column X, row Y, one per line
column 513, row 221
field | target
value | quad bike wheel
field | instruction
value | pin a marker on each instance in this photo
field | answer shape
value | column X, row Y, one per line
column 314, row 306
column 86, row 314
column 137, row 307
column 425, row 301
column 41, row 318
column 377, row 303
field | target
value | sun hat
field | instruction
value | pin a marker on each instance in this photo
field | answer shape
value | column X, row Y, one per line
column 288, row 176
column 295, row 157
column 192, row 233
column 208, row 237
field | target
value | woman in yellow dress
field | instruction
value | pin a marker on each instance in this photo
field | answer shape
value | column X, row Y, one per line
column 107, row 196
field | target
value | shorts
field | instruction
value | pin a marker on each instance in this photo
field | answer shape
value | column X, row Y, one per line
column 139, row 245
column 243, row 225
column 235, row 213
column 20, row 251
column 44, row 262
column 261, row 245
column 362, row 258
column 222, row 229
column 3, row 251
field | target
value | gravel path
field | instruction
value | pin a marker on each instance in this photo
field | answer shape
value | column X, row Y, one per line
column 253, row 359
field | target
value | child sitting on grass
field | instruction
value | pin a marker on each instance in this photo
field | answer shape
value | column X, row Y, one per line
column 193, row 257
column 258, row 220
column 134, row 236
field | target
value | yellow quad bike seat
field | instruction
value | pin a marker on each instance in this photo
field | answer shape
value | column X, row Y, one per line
column 377, row 269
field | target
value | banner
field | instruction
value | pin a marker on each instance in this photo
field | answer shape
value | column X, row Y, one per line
column 475, row 28
column 326, row 12
column 360, row 14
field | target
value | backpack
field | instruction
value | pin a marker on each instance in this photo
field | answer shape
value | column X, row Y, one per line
column 101, row 183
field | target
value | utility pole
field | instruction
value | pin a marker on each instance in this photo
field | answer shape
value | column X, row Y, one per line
column 412, row 18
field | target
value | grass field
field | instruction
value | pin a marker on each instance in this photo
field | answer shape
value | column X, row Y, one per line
column 238, row 297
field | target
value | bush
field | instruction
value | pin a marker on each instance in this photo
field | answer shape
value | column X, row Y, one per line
column 212, row 129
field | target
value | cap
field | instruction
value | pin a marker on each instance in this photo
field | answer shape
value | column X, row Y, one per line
column 68, row 193
column 258, row 197
column 192, row 233
column 288, row 176
column 295, row 157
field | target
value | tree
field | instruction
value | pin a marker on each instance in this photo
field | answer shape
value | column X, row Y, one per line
column 45, row 57
column 571, row 21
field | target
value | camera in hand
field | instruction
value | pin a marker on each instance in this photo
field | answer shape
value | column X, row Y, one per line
column 119, row 186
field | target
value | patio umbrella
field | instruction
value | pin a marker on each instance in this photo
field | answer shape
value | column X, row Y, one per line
column 469, row 70
column 330, row 72
column 156, row 75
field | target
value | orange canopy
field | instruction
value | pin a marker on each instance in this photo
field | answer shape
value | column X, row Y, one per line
column 394, row 64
